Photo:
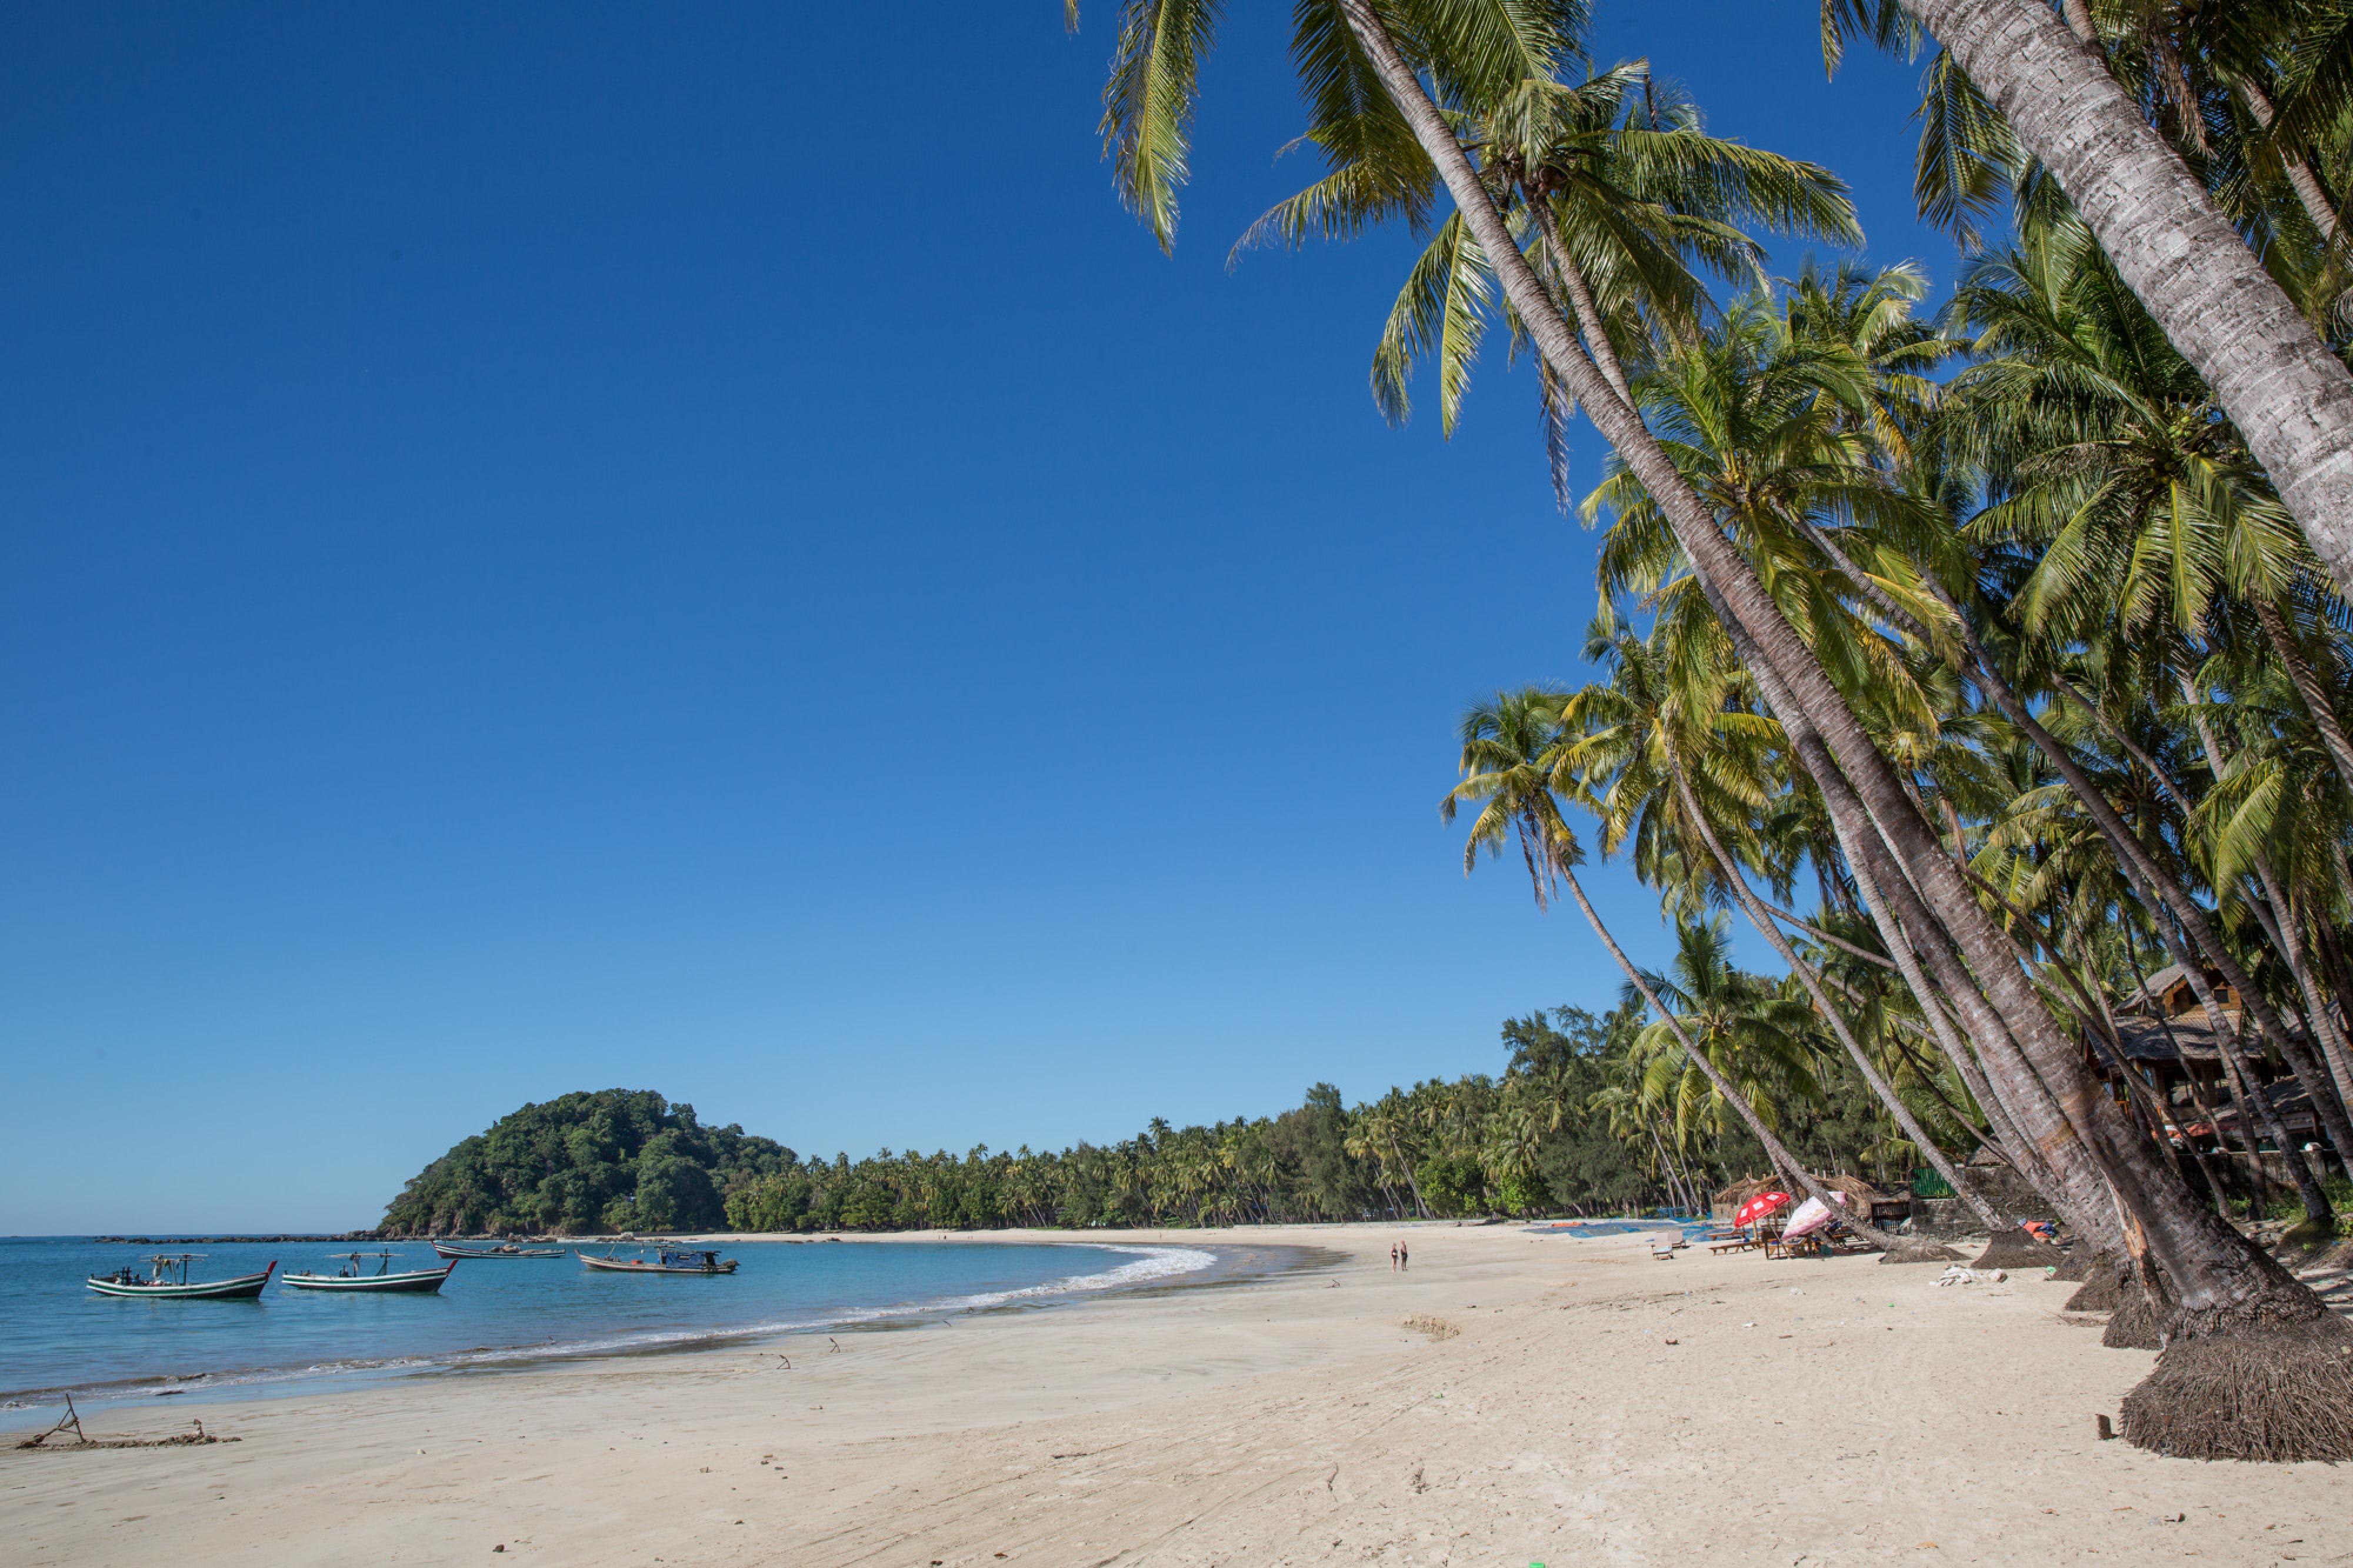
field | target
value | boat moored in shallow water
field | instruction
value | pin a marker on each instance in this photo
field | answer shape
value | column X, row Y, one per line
column 504, row 1249
column 166, row 1278
column 353, row 1275
column 668, row 1260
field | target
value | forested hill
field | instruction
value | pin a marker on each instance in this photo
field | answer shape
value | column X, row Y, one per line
column 617, row 1159
column 1590, row 1115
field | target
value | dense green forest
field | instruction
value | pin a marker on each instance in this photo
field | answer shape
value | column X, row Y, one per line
column 615, row 1159
column 1567, row 1127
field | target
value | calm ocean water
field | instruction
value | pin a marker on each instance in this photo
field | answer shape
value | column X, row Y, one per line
column 56, row 1335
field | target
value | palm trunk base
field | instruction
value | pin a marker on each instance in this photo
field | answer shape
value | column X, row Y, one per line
column 2016, row 1249
column 2103, row 1286
column 2310, row 1234
column 1920, row 1250
column 2075, row 1265
column 2271, row 1391
column 2141, row 1319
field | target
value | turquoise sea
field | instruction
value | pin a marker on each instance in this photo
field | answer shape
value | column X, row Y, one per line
column 56, row 1335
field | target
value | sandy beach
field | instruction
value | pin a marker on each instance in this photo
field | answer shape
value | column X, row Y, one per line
column 1564, row 1402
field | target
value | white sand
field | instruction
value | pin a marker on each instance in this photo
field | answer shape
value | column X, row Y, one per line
column 1819, row 1412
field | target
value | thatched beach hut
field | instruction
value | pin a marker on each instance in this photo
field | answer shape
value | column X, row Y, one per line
column 1862, row 1197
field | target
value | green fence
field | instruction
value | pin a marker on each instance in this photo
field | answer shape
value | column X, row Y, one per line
column 1926, row 1183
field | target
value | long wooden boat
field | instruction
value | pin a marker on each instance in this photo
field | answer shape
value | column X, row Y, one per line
column 505, row 1249
column 355, row 1277
column 670, row 1260
column 167, row 1280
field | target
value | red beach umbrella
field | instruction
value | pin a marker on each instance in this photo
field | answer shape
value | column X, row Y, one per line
column 1757, row 1207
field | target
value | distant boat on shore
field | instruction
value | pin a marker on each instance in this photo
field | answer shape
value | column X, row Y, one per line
column 167, row 1280
column 504, row 1249
column 668, row 1260
column 355, row 1276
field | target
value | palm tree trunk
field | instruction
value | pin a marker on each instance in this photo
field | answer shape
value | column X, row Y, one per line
column 2189, row 1076
column 2307, row 685
column 2334, row 1119
column 2154, row 886
column 2315, row 1007
column 2258, row 1180
column 2287, row 393
column 1783, row 1161
column 1589, row 320
column 1762, row 918
column 1927, row 1072
column 2300, row 174
column 2315, row 1200
column 1842, row 743
column 2043, row 1137
column 1421, row 1206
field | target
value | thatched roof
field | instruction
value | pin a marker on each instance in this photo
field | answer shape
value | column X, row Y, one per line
column 1860, row 1194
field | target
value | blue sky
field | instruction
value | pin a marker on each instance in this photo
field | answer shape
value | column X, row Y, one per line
column 552, row 547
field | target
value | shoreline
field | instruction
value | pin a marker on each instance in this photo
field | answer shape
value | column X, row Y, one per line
column 1562, row 1399
column 1227, row 1264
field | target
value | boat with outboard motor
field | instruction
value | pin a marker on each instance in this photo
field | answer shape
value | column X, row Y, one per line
column 666, row 1260
column 166, row 1278
column 353, row 1275
column 504, row 1249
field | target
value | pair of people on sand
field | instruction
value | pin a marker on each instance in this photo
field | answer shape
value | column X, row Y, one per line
column 1398, row 1256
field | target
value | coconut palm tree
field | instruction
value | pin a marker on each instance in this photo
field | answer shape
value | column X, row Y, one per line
column 1362, row 65
column 2141, row 512
column 1758, row 1039
column 1507, row 769
column 2270, row 371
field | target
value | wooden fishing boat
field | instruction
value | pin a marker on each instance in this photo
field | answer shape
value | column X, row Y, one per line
column 353, row 1275
column 504, row 1249
column 668, row 1260
column 166, row 1278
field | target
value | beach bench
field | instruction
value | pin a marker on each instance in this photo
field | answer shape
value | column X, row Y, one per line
column 1662, row 1244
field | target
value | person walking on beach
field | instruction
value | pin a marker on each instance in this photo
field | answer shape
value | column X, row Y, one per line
column 1405, row 1258
column 1392, row 1261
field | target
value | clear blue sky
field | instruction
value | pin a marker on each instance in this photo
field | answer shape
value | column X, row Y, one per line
column 558, row 546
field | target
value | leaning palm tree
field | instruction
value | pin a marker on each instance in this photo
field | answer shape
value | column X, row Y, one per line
column 2142, row 513
column 1362, row 90
column 1759, row 1039
column 2270, row 371
column 1387, row 130
column 1508, row 771
column 1706, row 759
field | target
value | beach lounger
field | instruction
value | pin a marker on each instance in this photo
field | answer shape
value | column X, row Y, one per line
column 1662, row 1245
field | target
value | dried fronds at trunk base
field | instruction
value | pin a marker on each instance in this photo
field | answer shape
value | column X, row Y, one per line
column 2275, row 1391
column 2139, row 1322
column 1919, row 1249
column 2075, row 1264
column 2016, row 1249
column 2103, row 1286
